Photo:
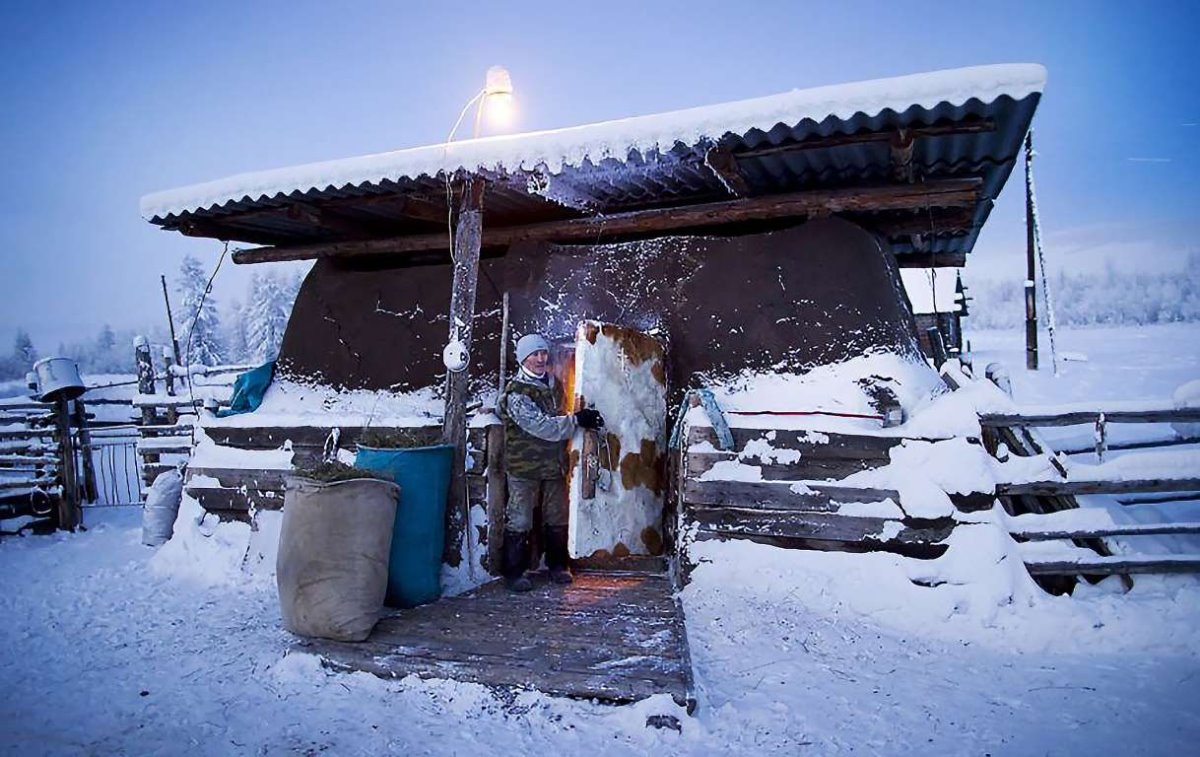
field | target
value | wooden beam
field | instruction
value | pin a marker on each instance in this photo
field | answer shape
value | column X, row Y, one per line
column 841, row 140
column 721, row 161
column 929, row 260
column 949, row 193
column 955, row 221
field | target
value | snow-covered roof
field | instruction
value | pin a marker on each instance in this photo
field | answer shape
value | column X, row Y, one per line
column 825, row 110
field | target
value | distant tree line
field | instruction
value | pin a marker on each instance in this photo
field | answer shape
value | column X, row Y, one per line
column 1108, row 297
column 249, row 331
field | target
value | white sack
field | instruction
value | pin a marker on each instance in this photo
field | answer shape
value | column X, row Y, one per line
column 162, row 505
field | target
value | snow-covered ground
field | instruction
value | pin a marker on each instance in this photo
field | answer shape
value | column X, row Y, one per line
column 109, row 646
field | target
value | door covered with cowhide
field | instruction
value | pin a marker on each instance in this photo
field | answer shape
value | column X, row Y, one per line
column 618, row 475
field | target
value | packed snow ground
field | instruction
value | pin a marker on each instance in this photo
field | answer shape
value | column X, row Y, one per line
column 109, row 646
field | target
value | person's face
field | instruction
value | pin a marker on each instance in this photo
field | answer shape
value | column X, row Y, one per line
column 537, row 362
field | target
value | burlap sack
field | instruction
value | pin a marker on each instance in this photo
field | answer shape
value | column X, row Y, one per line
column 332, row 567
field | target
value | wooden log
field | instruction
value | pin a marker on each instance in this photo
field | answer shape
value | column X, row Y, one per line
column 236, row 478
column 804, row 469
column 917, row 550
column 933, row 194
column 1076, row 488
column 1090, row 416
column 779, row 496
column 68, row 512
column 224, row 500
column 467, row 237
column 1114, row 565
column 90, row 486
column 27, row 460
column 1049, row 533
column 819, row 525
column 1169, row 441
column 812, row 444
column 30, row 433
column 1158, row 499
column 272, row 437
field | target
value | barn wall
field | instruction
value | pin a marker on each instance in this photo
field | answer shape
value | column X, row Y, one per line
column 784, row 300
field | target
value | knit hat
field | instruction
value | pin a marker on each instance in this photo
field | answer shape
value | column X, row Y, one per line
column 529, row 344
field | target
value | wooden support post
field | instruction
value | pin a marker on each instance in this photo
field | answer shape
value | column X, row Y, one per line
column 90, row 488
column 1031, row 330
column 68, row 510
column 468, row 234
column 1101, row 438
column 497, row 499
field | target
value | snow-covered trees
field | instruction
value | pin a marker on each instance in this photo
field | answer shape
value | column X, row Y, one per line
column 198, row 323
column 1109, row 297
column 22, row 358
column 267, row 312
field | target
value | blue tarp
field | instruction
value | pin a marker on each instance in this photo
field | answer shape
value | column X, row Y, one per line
column 248, row 390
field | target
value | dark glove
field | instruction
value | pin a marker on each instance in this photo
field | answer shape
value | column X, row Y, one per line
column 589, row 418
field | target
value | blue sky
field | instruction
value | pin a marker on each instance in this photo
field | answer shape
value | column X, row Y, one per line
column 107, row 101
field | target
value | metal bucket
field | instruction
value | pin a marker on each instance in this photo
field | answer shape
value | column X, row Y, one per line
column 58, row 378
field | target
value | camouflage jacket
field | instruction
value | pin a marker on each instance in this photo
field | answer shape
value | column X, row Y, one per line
column 534, row 428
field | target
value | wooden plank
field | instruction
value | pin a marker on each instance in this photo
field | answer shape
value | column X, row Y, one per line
column 919, row 550
column 1079, row 417
column 824, row 526
column 932, row 194
column 929, row 259
column 1158, row 499
column 1075, row 488
column 27, row 483
column 617, row 638
column 805, row 469
column 779, row 496
column 27, row 460
column 814, row 444
column 1118, row 564
column 1117, row 529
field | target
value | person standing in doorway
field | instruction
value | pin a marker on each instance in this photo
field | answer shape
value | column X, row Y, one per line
column 535, row 458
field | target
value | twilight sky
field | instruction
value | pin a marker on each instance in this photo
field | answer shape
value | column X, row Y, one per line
column 106, row 101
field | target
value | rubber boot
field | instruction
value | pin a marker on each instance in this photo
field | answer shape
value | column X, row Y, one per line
column 556, row 554
column 516, row 561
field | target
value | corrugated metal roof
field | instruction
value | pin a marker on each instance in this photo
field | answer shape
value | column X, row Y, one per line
column 654, row 161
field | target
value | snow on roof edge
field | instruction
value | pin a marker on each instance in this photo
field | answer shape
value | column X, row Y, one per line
column 554, row 149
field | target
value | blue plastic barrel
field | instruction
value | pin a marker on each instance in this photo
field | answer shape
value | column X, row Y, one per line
column 415, row 565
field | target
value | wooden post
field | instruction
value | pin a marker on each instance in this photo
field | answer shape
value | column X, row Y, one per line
column 168, row 362
column 68, row 510
column 90, row 489
column 468, row 234
column 170, row 323
column 1031, row 332
column 145, row 366
column 497, row 498
column 1101, row 438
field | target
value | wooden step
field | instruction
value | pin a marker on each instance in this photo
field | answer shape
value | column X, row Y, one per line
column 1114, row 565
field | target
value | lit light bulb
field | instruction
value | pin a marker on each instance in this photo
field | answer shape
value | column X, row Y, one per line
column 500, row 111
